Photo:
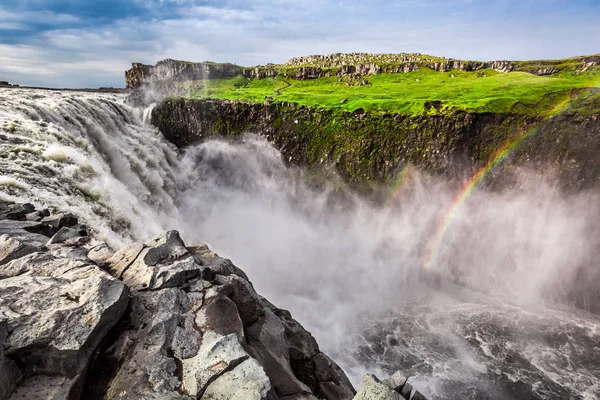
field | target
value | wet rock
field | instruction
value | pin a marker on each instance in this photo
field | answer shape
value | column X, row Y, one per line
column 70, row 236
column 37, row 216
column 267, row 342
column 10, row 375
column 17, row 212
column 60, row 220
column 191, row 325
column 14, row 227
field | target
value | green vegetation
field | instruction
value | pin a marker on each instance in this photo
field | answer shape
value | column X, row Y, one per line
column 416, row 93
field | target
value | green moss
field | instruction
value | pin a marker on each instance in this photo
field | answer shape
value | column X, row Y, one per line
column 482, row 91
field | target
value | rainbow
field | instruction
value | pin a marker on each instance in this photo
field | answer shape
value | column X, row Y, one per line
column 402, row 180
column 436, row 241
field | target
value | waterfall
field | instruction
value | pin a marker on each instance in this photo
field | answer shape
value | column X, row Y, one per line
column 89, row 154
column 491, row 319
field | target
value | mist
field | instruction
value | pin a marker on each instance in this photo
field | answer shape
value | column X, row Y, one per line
column 339, row 263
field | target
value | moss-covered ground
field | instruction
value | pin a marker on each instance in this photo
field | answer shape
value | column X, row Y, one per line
column 416, row 93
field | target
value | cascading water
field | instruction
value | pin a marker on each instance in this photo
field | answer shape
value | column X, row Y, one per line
column 490, row 319
column 89, row 154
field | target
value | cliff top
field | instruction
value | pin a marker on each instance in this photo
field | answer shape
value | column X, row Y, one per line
column 395, row 83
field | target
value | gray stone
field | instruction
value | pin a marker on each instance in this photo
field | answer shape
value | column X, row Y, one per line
column 12, row 248
column 98, row 252
column 123, row 259
column 372, row 389
column 48, row 387
column 37, row 215
column 220, row 315
column 145, row 351
column 243, row 295
column 60, row 220
column 16, row 211
column 217, row 355
column 12, row 227
column 395, row 381
column 216, row 264
column 70, row 236
column 164, row 262
column 267, row 343
column 56, row 322
column 10, row 375
column 247, row 381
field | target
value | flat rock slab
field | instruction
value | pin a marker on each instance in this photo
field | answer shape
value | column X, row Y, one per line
column 56, row 317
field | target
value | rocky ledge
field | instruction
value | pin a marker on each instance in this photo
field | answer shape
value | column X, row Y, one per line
column 151, row 321
column 163, row 76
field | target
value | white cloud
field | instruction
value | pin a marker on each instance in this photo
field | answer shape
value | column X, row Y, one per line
column 276, row 30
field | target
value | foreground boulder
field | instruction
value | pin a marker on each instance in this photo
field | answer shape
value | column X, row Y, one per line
column 152, row 321
column 56, row 306
column 197, row 329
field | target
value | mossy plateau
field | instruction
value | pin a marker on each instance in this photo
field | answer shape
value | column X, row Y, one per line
column 422, row 92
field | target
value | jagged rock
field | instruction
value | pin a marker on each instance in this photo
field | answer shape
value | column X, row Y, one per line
column 204, row 331
column 57, row 311
column 99, row 252
column 163, row 262
column 12, row 248
column 10, row 375
column 60, row 220
column 48, row 387
column 70, row 235
column 16, row 227
column 217, row 265
column 143, row 356
column 247, row 381
column 268, row 345
column 14, row 211
column 37, row 215
column 217, row 355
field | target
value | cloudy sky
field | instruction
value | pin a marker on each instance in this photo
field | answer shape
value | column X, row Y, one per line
column 89, row 43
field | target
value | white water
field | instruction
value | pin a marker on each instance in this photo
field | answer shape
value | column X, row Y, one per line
column 349, row 271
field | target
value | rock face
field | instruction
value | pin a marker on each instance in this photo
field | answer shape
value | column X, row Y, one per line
column 152, row 321
column 162, row 76
column 365, row 146
column 56, row 306
column 173, row 70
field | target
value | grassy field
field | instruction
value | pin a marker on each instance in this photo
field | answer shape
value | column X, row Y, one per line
column 480, row 91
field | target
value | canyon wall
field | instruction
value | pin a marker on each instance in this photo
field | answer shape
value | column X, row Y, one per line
column 369, row 148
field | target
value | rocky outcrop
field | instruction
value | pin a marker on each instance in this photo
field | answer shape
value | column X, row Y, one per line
column 173, row 70
column 160, row 80
column 367, row 147
column 56, row 305
column 151, row 321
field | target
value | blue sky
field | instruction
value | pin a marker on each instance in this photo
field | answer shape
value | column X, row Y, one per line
column 90, row 43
